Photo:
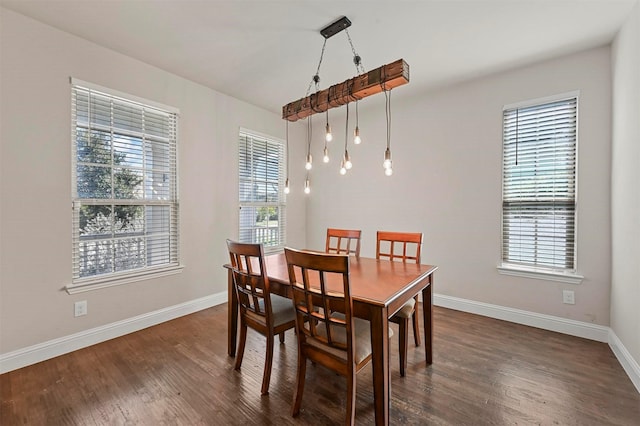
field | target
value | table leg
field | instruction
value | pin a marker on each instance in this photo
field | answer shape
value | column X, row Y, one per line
column 232, row 322
column 427, row 309
column 380, row 360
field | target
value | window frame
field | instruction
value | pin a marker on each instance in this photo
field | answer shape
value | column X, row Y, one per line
column 280, row 204
column 536, row 271
column 170, row 225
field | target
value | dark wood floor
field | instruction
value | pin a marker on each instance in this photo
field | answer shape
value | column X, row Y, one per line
column 485, row 371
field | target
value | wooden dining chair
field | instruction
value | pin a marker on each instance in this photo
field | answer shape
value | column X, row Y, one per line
column 328, row 334
column 343, row 241
column 403, row 247
column 268, row 314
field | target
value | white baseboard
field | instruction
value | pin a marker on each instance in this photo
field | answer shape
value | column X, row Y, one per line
column 56, row 347
column 599, row 333
column 630, row 365
column 586, row 330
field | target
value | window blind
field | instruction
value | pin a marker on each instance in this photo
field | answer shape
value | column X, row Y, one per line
column 125, row 209
column 539, row 185
column 261, row 173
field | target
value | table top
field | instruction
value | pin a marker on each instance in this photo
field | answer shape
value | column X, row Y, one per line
column 376, row 282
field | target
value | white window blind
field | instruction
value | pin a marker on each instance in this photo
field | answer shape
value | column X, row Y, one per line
column 261, row 173
column 539, row 185
column 125, row 204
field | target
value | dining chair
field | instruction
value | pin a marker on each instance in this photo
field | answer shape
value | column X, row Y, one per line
column 328, row 333
column 403, row 247
column 343, row 241
column 266, row 313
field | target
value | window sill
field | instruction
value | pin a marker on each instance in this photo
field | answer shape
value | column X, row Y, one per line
column 98, row 283
column 540, row 274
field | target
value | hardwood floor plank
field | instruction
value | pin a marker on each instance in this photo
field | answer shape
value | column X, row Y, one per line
column 485, row 371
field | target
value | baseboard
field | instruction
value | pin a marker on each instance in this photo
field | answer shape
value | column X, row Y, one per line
column 56, row 347
column 586, row 330
column 631, row 367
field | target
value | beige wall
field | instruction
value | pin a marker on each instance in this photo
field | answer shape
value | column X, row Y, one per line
column 35, row 222
column 625, row 193
column 447, row 183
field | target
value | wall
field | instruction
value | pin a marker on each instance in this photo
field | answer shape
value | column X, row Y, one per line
column 625, row 189
column 35, row 215
column 447, row 157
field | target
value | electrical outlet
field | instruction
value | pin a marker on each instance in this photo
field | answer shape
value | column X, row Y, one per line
column 568, row 297
column 80, row 308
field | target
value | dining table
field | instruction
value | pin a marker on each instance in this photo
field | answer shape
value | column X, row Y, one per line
column 379, row 288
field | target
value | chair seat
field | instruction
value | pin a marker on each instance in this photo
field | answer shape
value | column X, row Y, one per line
column 363, row 338
column 407, row 309
column 281, row 308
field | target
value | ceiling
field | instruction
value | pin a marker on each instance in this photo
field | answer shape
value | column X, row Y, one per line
column 265, row 52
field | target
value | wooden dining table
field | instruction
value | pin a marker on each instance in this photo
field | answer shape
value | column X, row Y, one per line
column 379, row 288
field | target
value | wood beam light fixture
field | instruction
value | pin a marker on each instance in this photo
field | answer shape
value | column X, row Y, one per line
column 386, row 77
column 364, row 84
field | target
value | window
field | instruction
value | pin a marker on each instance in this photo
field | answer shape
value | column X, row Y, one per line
column 539, row 185
column 261, row 166
column 125, row 205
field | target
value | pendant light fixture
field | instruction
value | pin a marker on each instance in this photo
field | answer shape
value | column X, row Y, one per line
column 347, row 158
column 364, row 84
column 307, row 185
column 328, row 136
column 356, row 132
column 286, row 182
column 387, row 163
column 309, row 163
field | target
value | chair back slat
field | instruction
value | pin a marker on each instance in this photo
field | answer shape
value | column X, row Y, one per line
column 320, row 286
column 343, row 241
column 399, row 246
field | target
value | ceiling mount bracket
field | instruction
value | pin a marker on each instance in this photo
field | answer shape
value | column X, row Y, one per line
column 336, row 27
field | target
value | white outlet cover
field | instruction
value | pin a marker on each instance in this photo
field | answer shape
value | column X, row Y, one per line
column 80, row 308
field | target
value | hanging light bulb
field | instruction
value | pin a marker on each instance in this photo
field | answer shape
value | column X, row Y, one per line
column 328, row 136
column 356, row 132
column 286, row 182
column 309, row 163
column 388, row 170
column 343, row 169
column 387, row 159
column 307, row 186
column 347, row 160
column 325, row 157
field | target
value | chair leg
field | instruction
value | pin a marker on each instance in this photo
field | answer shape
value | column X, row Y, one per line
column 351, row 397
column 302, row 371
column 416, row 325
column 266, row 377
column 403, row 344
column 282, row 337
column 243, row 340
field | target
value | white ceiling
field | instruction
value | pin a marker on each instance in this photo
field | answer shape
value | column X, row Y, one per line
column 265, row 52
